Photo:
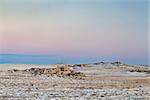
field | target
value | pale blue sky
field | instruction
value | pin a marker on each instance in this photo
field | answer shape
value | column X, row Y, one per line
column 82, row 29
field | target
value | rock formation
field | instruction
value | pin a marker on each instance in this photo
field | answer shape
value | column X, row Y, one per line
column 59, row 71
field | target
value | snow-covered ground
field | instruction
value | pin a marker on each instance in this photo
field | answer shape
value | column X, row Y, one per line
column 111, row 70
column 102, row 82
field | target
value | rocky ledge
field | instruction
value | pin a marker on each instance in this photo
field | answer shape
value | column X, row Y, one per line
column 60, row 71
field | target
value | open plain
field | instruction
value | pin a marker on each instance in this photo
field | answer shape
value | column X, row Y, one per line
column 96, row 81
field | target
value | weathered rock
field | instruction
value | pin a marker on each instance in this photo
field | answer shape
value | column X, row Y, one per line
column 58, row 70
column 13, row 70
column 81, row 65
column 99, row 63
column 116, row 63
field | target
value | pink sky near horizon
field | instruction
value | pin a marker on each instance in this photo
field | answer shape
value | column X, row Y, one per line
column 116, row 28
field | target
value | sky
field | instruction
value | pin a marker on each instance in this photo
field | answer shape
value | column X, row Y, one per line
column 73, row 31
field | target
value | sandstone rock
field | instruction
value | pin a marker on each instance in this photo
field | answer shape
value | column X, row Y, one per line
column 58, row 70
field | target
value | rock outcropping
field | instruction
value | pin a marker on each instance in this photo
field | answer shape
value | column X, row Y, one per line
column 59, row 71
